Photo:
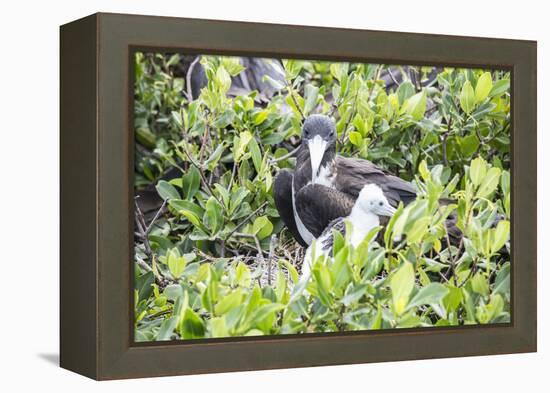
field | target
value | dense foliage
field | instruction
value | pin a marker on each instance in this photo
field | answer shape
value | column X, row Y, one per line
column 216, row 260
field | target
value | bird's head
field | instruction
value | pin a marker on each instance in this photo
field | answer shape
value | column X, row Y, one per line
column 372, row 200
column 319, row 135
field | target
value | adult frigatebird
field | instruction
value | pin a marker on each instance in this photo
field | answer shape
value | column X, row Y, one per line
column 324, row 185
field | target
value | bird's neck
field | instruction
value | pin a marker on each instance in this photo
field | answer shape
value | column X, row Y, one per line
column 324, row 172
column 362, row 223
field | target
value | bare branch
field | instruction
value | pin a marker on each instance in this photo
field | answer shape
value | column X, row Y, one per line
column 288, row 155
column 155, row 218
column 246, row 219
column 203, row 179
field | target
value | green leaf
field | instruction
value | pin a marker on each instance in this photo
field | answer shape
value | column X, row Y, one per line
column 480, row 284
column 256, row 154
column 502, row 280
column 468, row 144
column 192, row 325
column 265, row 311
column 190, row 183
column 242, row 275
column 232, row 65
column 176, row 263
column 431, row 294
column 227, row 303
column 212, row 161
column 260, row 116
column 173, row 291
column 483, row 86
column 489, row 183
column 323, row 279
column 424, row 172
column 355, row 138
column 223, row 79
column 501, row 235
column 213, row 218
column 500, row 87
column 143, row 285
column 418, row 229
column 401, row 285
column 311, row 93
column 167, row 191
column 467, row 97
column 478, row 169
column 262, row 227
column 453, row 299
column 292, row 271
column 240, row 144
column 416, row 105
column 181, row 205
column 167, row 329
column 405, row 91
column 218, row 327
column 280, row 286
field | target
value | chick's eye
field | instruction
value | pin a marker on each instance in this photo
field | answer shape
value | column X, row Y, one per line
column 380, row 203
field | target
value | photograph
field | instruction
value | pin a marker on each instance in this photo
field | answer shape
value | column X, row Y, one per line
column 280, row 196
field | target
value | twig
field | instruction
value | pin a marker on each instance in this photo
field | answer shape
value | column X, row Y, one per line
column 157, row 215
column 444, row 143
column 142, row 228
column 291, row 93
column 233, row 174
column 203, row 179
column 257, row 242
column 245, row 220
column 205, row 136
column 272, row 245
column 143, row 264
column 392, row 77
column 288, row 155
column 158, row 278
column 206, row 256
column 470, row 274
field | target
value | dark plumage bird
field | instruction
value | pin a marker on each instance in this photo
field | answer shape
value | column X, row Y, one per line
column 324, row 185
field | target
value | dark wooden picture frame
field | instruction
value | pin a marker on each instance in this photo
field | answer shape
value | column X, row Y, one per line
column 97, row 196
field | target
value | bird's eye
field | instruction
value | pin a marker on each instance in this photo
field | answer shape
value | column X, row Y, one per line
column 380, row 203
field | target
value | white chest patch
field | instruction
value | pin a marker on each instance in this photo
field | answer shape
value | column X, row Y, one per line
column 362, row 224
column 325, row 176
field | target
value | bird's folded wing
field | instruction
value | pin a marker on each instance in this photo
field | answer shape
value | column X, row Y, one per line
column 318, row 205
column 282, row 195
column 354, row 173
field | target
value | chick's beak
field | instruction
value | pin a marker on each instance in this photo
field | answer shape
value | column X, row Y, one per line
column 386, row 210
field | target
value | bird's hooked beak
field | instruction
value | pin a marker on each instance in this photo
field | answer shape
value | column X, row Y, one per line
column 317, row 147
column 385, row 210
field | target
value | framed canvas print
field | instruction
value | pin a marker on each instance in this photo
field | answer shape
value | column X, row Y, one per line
column 240, row 196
